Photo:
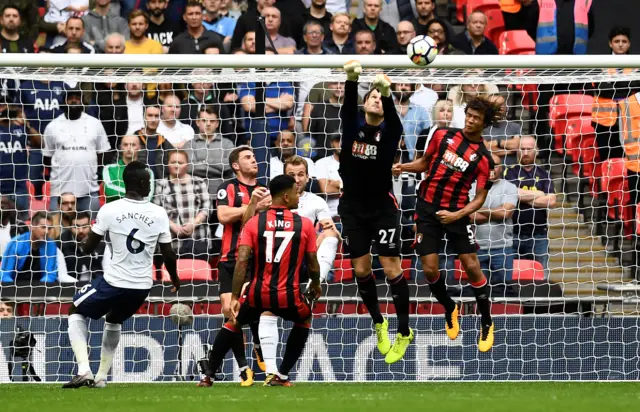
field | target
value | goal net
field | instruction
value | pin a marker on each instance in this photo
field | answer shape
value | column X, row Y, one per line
column 556, row 237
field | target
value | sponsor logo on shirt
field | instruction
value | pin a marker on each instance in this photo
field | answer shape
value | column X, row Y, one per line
column 364, row 150
column 454, row 162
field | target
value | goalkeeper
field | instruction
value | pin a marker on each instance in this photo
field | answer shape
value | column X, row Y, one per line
column 368, row 208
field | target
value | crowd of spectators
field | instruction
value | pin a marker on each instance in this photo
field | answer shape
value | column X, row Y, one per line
column 69, row 143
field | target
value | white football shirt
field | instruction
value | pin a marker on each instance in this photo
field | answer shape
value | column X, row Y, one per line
column 327, row 168
column 134, row 228
column 313, row 207
column 177, row 135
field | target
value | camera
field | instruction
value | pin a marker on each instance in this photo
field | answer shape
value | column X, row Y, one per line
column 22, row 346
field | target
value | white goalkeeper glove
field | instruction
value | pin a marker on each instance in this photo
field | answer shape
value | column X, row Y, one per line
column 383, row 84
column 353, row 68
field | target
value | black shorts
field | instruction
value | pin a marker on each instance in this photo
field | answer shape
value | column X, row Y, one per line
column 365, row 223
column 225, row 276
column 100, row 298
column 298, row 315
column 430, row 232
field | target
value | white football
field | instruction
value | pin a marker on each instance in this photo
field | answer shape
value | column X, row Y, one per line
column 181, row 314
column 422, row 50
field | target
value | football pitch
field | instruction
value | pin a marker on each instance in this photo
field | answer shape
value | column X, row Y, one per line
column 336, row 397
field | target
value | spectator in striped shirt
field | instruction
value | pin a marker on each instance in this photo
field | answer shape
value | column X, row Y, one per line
column 186, row 200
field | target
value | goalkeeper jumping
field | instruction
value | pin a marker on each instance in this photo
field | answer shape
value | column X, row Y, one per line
column 368, row 208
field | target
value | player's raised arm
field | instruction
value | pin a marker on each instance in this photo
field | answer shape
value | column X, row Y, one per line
column 260, row 199
column 349, row 110
column 392, row 120
column 170, row 263
column 420, row 164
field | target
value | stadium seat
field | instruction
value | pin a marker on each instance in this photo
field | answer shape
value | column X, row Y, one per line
column 101, row 195
column 459, row 273
column 35, row 204
column 343, row 271
column 527, row 270
column 484, row 6
column 407, row 268
column 495, row 25
column 189, row 270
column 563, row 107
column 460, row 10
column 516, row 42
column 613, row 183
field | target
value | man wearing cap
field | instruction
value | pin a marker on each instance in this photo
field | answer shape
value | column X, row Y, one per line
column 74, row 143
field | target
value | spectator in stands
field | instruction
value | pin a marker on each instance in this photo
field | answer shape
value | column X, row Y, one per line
column 473, row 40
column 340, row 41
column 503, row 137
column 385, row 35
column 31, row 256
column 111, row 101
column 74, row 32
column 81, row 265
column 114, row 43
column 620, row 40
column 313, row 38
column 494, row 230
column 101, row 21
column 74, row 143
column 11, row 41
column 404, row 33
column 249, row 42
column 425, row 12
column 329, row 180
column 16, row 134
column 63, row 218
column 7, row 309
column 278, row 101
column 228, row 8
column 10, row 225
column 324, row 120
column 414, row 118
column 194, row 40
column 176, row 132
column 462, row 94
column 441, row 115
column 200, row 95
column 134, row 105
column 138, row 42
column 214, row 21
column 441, row 34
column 58, row 12
column 247, row 22
column 285, row 147
column 187, row 202
column 209, row 150
column 392, row 11
column 161, row 28
column 365, row 42
column 272, row 21
column 317, row 12
column 536, row 195
column 154, row 146
column 112, row 174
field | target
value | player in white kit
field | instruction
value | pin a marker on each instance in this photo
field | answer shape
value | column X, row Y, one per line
column 314, row 208
column 134, row 227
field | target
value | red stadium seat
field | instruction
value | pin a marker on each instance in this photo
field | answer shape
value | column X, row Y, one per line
column 614, row 184
column 35, row 205
column 563, row 107
column 102, row 196
column 190, row 270
column 343, row 271
column 495, row 25
column 579, row 129
column 516, row 42
column 483, row 6
column 460, row 7
column 407, row 266
column 527, row 270
column 459, row 273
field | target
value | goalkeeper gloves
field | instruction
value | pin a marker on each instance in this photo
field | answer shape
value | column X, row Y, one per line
column 383, row 84
column 353, row 68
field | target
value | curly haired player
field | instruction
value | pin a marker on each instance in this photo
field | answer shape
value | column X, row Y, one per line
column 453, row 160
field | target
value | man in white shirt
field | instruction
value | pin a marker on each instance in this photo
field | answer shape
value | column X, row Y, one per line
column 135, row 107
column 285, row 147
column 135, row 226
column 74, row 144
column 328, row 177
column 314, row 208
column 176, row 132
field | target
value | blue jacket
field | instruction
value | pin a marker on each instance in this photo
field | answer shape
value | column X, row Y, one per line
column 16, row 254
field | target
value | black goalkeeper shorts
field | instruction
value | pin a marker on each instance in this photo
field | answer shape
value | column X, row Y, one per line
column 430, row 232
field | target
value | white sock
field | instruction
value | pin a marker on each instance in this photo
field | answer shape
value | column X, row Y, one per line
column 110, row 340
column 78, row 335
column 269, row 336
column 326, row 255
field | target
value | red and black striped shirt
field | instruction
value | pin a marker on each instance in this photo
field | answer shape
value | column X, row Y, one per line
column 279, row 240
column 233, row 194
column 456, row 162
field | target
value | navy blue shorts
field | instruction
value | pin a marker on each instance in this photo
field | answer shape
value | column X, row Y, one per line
column 99, row 298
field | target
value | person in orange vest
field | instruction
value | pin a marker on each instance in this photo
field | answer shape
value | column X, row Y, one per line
column 520, row 15
column 604, row 114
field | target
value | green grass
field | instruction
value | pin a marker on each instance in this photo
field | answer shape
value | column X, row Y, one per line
column 389, row 397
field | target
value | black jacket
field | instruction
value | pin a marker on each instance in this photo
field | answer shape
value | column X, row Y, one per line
column 462, row 43
column 386, row 40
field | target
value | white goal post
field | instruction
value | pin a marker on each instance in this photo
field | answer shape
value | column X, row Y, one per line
column 582, row 262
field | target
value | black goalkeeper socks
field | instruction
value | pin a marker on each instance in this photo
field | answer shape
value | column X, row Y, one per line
column 369, row 295
column 439, row 290
column 255, row 336
column 400, row 293
column 482, row 301
column 295, row 345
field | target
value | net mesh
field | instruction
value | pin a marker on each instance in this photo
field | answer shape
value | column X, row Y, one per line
column 580, row 259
